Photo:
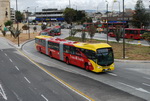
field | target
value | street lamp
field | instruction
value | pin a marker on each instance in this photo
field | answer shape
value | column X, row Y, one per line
column 28, row 22
column 123, row 34
column 17, row 23
column 119, row 6
column 107, row 18
column 35, row 9
column 69, row 4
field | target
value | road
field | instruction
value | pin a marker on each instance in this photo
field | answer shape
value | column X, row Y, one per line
column 102, row 36
column 129, row 81
column 21, row 80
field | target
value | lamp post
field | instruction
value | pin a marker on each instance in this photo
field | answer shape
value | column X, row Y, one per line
column 107, row 19
column 17, row 23
column 123, row 34
column 28, row 22
column 69, row 4
column 119, row 6
column 35, row 9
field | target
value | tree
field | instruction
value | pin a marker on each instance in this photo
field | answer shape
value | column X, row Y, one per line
column 140, row 17
column 14, row 32
column 91, row 31
column 69, row 14
column 8, row 23
column 118, row 33
column 146, row 36
column 43, row 26
column 72, row 32
column 83, row 35
column 79, row 15
column 19, row 16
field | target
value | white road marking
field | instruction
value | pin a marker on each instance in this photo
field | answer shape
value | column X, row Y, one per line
column 57, row 78
column 27, row 80
column 10, row 60
column 5, row 54
column 146, row 84
column 112, row 74
column 18, row 98
column 44, row 97
column 139, row 89
column 146, row 78
column 127, row 85
column 2, row 92
column 17, row 68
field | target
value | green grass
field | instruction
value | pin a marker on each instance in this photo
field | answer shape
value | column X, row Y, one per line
column 132, row 52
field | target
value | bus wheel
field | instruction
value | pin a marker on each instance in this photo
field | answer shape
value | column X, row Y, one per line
column 40, row 50
column 86, row 67
column 67, row 61
column 50, row 54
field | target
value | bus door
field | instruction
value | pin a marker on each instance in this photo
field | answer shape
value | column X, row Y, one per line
column 80, row 59
column 73, row 57
column 42, row 48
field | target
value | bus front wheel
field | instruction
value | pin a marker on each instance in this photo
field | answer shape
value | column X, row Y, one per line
column 86, row 67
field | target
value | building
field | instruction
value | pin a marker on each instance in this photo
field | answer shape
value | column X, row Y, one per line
column 12, row 14
column 4, row 11
column 49, row 15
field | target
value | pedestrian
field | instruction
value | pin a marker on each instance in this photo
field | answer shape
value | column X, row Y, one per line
column 5, row 29
column 0, row 27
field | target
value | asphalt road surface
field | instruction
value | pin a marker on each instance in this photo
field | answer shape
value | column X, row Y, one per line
column 21, row 80
column 129, row 82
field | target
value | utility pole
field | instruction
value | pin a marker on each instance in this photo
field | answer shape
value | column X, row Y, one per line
column 123, row 33
column 69, row 4
column 107, row 18
column 28, row 22
column 17, row 32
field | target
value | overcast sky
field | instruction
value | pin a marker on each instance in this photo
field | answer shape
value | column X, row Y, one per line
column 99, row 5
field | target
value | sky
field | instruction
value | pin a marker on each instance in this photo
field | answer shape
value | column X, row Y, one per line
column 98, row 5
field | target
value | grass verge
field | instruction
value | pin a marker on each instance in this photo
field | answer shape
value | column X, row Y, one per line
column 133, row 52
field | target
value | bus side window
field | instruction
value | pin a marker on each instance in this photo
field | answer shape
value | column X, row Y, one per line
column 50, row 44
column 72, row 50
column 78, row 52
column 66, row 49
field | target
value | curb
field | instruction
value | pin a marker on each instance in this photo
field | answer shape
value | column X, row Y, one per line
column 132, row 61
column 116, row 60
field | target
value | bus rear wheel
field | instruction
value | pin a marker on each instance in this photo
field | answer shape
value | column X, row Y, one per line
column 50, row 54
column 67, row 61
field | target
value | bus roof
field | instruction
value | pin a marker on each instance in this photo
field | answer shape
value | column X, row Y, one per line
column 91, row 46
column 133, row 29
column 43, row 36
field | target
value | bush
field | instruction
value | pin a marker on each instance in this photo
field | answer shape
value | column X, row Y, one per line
column 146, row 36
column 8, row 23
column 25, row 27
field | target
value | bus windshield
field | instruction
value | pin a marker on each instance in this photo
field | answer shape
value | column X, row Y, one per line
column 105, row 56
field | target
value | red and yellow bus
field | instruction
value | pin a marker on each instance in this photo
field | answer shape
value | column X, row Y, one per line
column 96, row 57
column 134, row 33
column 53, row 31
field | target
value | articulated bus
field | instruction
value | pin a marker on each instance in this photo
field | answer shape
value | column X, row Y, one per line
column 53, row 31
column 96, row 57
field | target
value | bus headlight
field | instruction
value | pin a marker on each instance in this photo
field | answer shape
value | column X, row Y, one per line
column 98, row 67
